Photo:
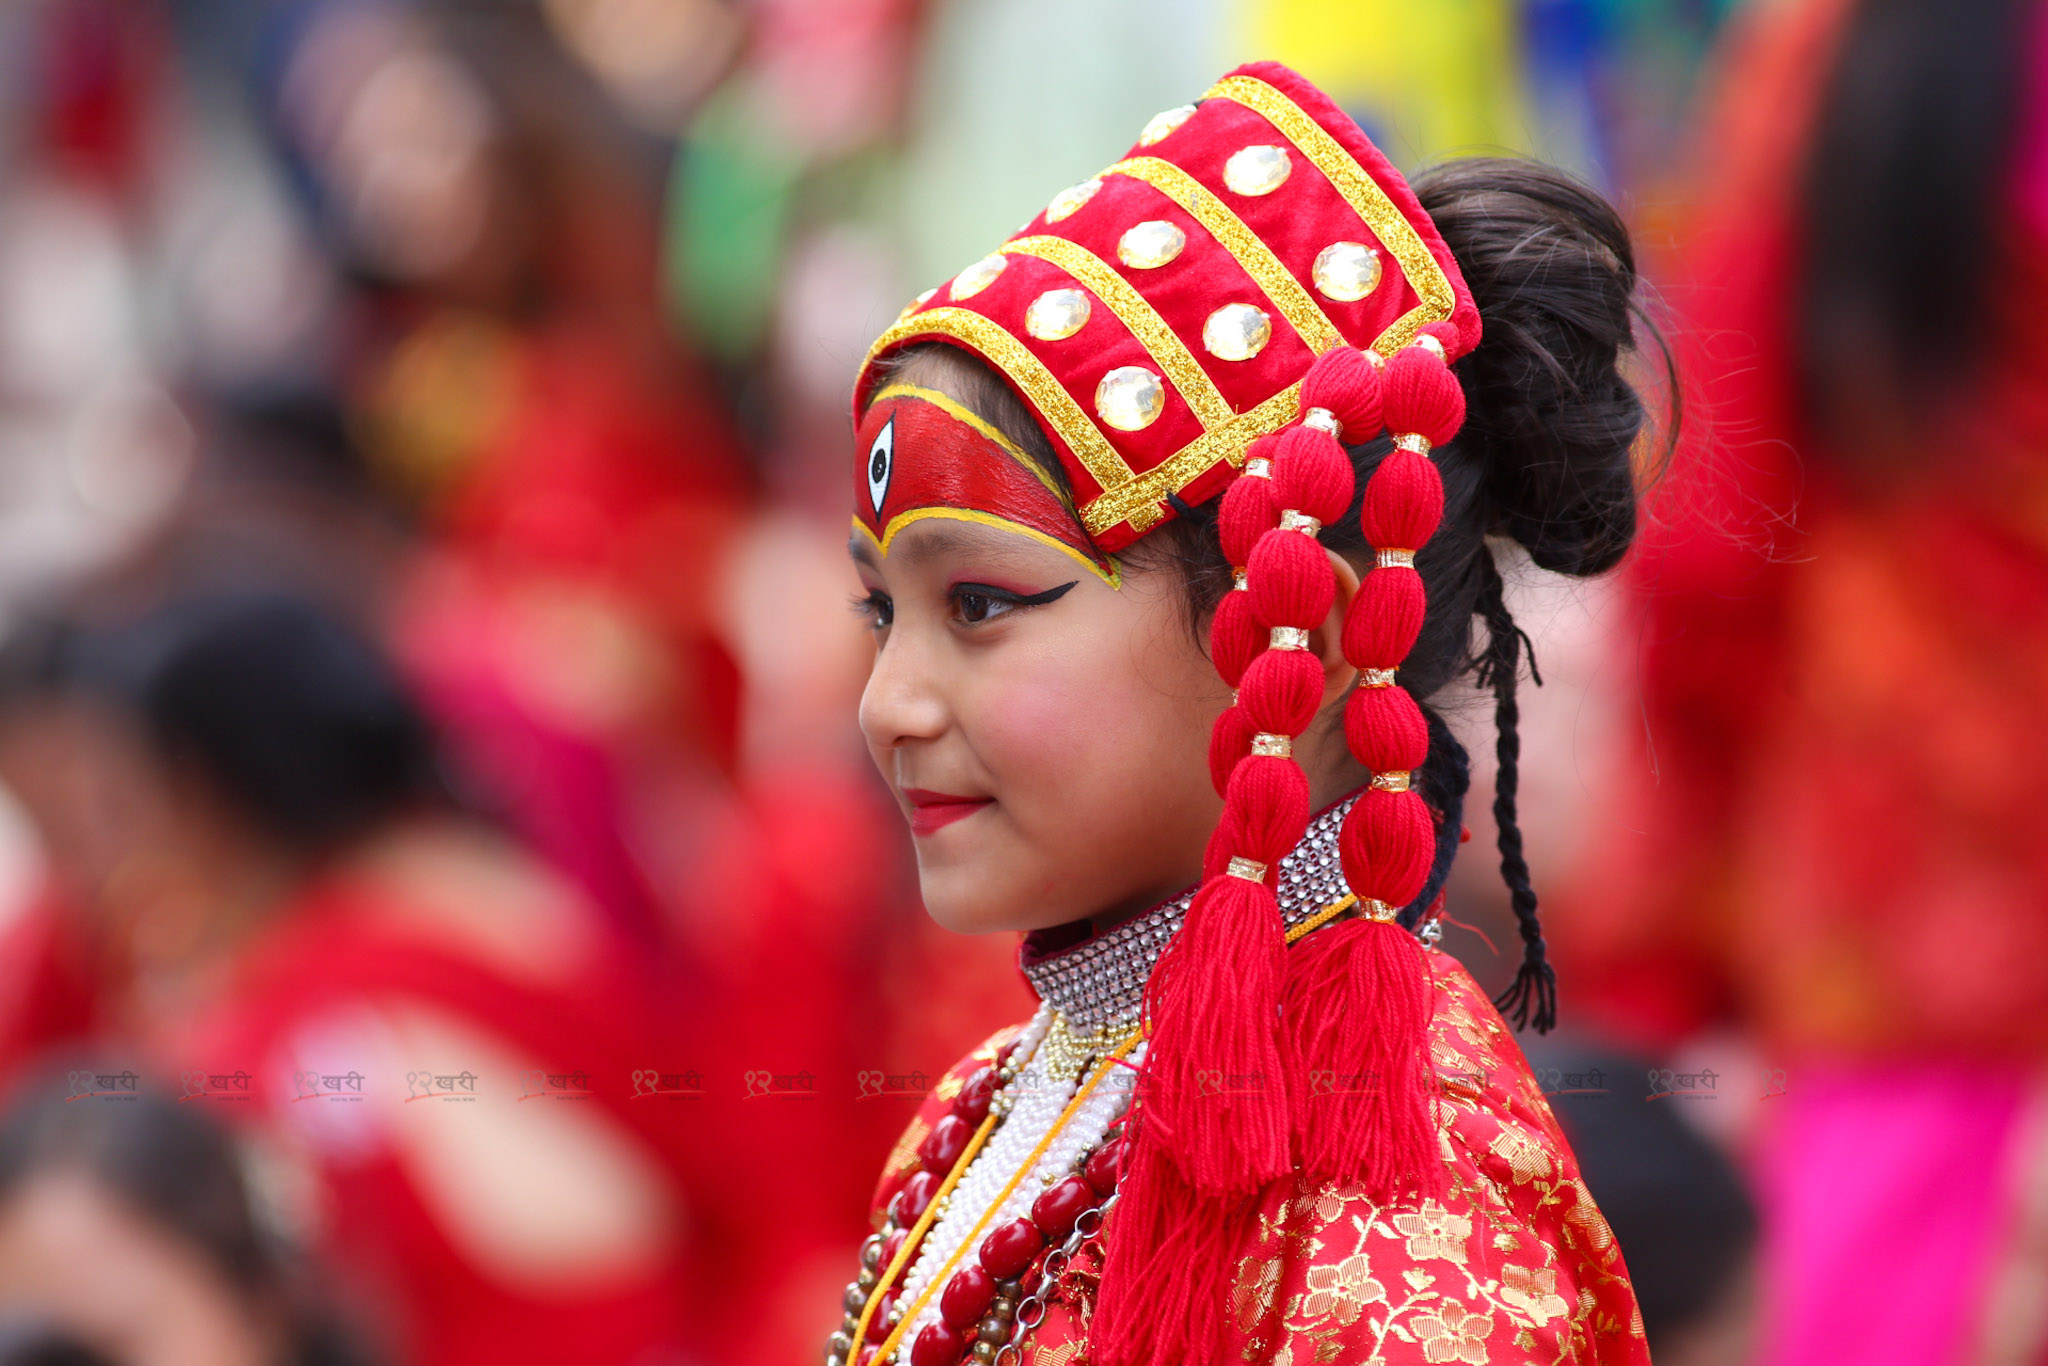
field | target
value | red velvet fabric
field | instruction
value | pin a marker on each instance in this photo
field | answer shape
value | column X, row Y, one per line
column 1295, row 222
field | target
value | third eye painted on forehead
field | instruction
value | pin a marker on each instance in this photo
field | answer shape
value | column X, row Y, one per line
column 922, row 457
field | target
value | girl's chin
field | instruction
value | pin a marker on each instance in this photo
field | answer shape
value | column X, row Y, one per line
column 958, row 901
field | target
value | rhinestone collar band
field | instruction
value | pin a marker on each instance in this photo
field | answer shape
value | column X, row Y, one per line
column 1102, row 981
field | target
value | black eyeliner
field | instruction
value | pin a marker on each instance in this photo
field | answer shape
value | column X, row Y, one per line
column 1016, row 599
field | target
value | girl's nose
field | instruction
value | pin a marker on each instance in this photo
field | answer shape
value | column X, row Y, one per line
column 902, row 701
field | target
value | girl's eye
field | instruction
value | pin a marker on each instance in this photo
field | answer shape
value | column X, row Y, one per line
column 976, row 607
column 876, row 609
column 978, row 602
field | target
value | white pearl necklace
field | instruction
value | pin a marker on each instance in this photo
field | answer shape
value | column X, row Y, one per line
column 1040, row 1099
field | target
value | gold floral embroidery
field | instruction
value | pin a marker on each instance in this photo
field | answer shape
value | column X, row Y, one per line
column 1584, row 1221
column 1525, row 1157
column 1342, row 1290
column 1433, row 1231
column 1330, row 1199
column 1452, row 1333
column 1258, row 1286
column 1534, row 1292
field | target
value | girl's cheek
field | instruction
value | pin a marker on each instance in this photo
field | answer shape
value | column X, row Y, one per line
column 1032, row 719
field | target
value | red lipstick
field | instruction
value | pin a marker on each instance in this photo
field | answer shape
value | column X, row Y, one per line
column 930, row 811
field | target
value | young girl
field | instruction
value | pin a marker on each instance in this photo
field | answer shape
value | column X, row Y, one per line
column 1258, row 1116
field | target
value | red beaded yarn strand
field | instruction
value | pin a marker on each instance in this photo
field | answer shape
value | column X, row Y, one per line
column 1246, row 513
column 1214, row 1118
column 1358, row 996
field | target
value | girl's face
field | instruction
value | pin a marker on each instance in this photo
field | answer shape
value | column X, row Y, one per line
column 1046, row 734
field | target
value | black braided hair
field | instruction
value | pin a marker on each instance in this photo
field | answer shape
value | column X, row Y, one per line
column 1531, row 999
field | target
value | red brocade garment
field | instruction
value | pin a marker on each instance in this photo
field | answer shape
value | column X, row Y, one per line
column 1513, row 1263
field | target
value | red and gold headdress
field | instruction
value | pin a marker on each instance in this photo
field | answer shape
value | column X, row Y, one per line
column 1250, row 283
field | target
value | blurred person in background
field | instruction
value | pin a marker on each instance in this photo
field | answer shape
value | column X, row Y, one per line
column 1678, row 1203
column 1833, row 840
column 132, row 1234
column 513, row 380
column 250, row 820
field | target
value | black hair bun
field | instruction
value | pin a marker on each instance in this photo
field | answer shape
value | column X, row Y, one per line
column 1552, row 422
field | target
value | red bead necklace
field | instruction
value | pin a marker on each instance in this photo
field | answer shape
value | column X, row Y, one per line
column 992, row 1301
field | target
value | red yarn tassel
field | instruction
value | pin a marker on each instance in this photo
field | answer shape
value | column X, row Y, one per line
column 1215, row 1092
column 1358, row 997
column 1228, row 1102
column 1213, row 1064
column 1356, row 1009
column 1170, row 1260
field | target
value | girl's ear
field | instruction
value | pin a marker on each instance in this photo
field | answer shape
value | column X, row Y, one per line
column 1327, row 640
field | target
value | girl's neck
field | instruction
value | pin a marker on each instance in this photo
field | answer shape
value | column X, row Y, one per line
column 1094, row 974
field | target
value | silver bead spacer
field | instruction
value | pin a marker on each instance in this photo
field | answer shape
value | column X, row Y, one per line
column 1323, row 420
column 1396, row 559
column 1273, row 746
column 1292, row 520
column 1289, row 638
column 1250, row 869
column 1412, row 441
